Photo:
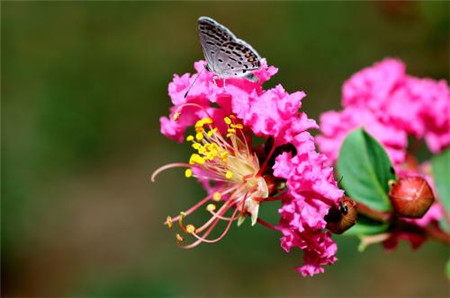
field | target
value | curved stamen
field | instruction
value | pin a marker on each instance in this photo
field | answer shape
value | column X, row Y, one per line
column 197, row 242
column 225, row 207
column 221, row 235
column 190, row 104
column 202, row 202
column 169, row 166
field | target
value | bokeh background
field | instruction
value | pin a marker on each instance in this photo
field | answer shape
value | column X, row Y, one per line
column 83, row 86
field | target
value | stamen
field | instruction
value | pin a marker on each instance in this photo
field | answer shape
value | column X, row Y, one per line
column 190, row 229
column 211, row 207
column 233, row 217
column 163, row 168
column 169, row 222
column 217, row 196
column 188, row 173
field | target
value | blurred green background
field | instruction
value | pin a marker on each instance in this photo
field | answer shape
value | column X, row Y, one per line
column 83, row 86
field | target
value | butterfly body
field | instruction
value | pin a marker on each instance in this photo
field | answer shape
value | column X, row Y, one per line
column 227, row 56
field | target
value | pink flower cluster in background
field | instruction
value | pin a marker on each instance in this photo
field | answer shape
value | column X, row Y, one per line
column 311, row 189
column 391, row 106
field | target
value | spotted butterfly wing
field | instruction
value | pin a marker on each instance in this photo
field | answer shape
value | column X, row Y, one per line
column 227, row 56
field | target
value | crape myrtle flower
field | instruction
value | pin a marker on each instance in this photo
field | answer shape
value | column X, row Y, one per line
column 393, row 106
column 222, row 123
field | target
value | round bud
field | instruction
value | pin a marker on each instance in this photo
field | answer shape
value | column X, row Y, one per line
column 343, row 216
column 411, row 197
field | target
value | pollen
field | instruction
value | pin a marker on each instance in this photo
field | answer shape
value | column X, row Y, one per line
column 190, row 229
column 188, row 173
column 217, row 196
column 196, row 159
column 179, row 238
column 227, row 120
column 228, row 175
column 176, row 116
column 190, row 138
column 169, row 222
column 199, row 136
column 211, row 207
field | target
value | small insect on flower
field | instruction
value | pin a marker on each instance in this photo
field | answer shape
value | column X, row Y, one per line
column 226, row 55
column 228, row 161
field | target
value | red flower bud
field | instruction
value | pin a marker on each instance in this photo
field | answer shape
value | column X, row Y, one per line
column 411, row 197
column 342, row 217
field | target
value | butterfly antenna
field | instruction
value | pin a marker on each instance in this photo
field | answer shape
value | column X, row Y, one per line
column 189, row 89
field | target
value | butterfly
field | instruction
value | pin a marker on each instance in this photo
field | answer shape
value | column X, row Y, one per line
column 226, row 55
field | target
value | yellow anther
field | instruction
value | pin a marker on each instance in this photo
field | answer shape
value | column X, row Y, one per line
column 224, row 155
column 190, row 138
column 179, row 238
column 182, row 214
column 190, row 229
column 231, row 130
column 211, row 207
column 169, row 222
column 227, row 120
column 188, row 173
column 196, row 146
column 212, row 132
column 217, row 196
column 232, row 117
column 199, row 123
column 229, row 174
column 196, row 159
column 176, row 115
column 239, row 126
column 199, row 136
column 207, row 120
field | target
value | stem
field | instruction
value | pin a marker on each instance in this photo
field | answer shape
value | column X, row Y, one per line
column 373, row 214
column 437, row 234
column 432, row 230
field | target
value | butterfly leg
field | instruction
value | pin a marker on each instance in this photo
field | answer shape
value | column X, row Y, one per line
column 214, row 80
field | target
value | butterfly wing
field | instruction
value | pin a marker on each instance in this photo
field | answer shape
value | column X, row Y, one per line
column 212, row 37
column 227, row 56
column 237, row 59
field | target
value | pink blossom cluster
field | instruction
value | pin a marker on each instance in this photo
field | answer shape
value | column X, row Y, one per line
column 391, row 106
column 311, row 188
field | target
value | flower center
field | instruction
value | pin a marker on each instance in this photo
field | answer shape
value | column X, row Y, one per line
column 231, row 169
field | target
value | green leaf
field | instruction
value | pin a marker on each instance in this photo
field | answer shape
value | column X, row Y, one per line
column 366, row 170
column 447, row 269
column 441, row 174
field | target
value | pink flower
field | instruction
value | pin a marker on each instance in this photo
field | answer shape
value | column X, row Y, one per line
column 311, row 190
column 391, row 106
column 239, row 176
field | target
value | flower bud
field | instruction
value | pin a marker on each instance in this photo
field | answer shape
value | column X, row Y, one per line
column 341, row 217
column 411, row 197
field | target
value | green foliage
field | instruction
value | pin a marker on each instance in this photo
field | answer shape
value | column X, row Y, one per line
column 447, row 269
column 366, row 170
column 441, row 174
